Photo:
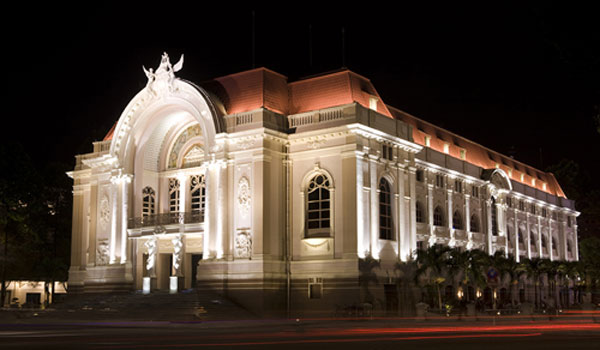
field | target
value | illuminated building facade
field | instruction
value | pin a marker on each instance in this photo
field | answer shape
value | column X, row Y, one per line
column 272, row 191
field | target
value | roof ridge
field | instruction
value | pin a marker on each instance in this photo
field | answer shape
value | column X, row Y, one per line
column 466, row 139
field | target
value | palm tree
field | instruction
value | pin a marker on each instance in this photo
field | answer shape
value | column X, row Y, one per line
column 507, row 266
column 533, row 268
column 406, row 272
column 367, row 275
column 470, row 264
column 431, row 264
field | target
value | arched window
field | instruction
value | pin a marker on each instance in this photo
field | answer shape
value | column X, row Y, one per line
column 386, row 222
column 148, row 201
column 544, row 242
column 173, row 195
column 521, row 239
column 532, row 241
column 318, row 206
column 198, row 195
column 475, row 223
column 554, row 243
column 420, row 213
column 457, row 222
column 569, row 248
column 494, row 218
column 438, row 216
column 508, row 234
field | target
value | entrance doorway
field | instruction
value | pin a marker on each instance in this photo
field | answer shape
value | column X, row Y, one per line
column 195, row 259
column 164, row 267
column 391, row 298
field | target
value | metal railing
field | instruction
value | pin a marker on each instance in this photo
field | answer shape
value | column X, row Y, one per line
column 166, row 219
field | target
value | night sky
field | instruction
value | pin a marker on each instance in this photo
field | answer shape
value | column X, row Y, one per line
column 514, row 79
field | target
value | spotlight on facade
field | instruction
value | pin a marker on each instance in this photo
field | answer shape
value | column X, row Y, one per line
column 478, row 294
column 460, row 294
column 146, row 285
column 173, row 284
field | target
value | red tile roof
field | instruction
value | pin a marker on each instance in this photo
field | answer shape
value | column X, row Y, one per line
column 477, row 154
column 263, row 88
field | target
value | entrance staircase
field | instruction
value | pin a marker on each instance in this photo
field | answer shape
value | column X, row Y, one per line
column 185, row 306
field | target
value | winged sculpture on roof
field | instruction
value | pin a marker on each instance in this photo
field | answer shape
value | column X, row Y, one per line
column 162, row 80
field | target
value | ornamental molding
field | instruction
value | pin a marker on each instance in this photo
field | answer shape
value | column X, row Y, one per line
column 244, row 196
column 380, row 136
column 104, row 211
column 102, row 252
column 243, row 245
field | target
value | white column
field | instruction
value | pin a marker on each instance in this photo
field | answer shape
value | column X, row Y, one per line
column 450, row 217
column 413, row 209
column 468, row 221
column 516, row 228
column 374, row 207
column 539, row 225
column 222, row 208
column 432, row 238
column 528, row 242
column 362, row 245
column 125, row 181
column 550, row 238
column 113, row 228
column 183, row 193
column 575, row 239
column 402, row 236
column 488, row 206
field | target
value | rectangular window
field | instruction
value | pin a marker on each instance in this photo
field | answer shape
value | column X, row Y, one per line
column 521, row 206
column 373, row 103
column 446, row 148
column 387, row 152
column 173, row 195
column 463, row 154
column 315, row 288
column 439, row 180
column 427, row 141
column 569, row 221
column 509, row 201
column 420, row 175
column 458, row 186
column 544, row 212
column 475, row 191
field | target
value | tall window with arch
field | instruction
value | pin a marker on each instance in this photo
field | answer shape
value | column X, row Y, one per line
column 173, row 195
column 386, row 222
column 419, row 212
column 494, row 218
column 475, row 223
column 197, row 195
column 438, row 216
column 318, row 206
column 148, row 201
column 521, row 237
column 532, row 241
column 457, row 222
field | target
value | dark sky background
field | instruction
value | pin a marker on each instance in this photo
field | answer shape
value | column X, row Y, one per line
column 515, row 79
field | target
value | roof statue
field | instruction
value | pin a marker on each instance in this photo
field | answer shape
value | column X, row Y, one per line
column 162, row 80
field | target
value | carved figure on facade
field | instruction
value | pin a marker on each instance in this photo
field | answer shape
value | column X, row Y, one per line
column 102, row 252
column 152, row 246
column 177, row 252
column 104, row 211
column 243, row 245
column 244, row 195
column 162, row 81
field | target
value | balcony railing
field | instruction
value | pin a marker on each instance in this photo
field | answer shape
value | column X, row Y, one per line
column 166, row 219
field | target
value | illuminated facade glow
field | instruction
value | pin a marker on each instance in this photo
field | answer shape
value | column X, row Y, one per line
column 290, row 192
